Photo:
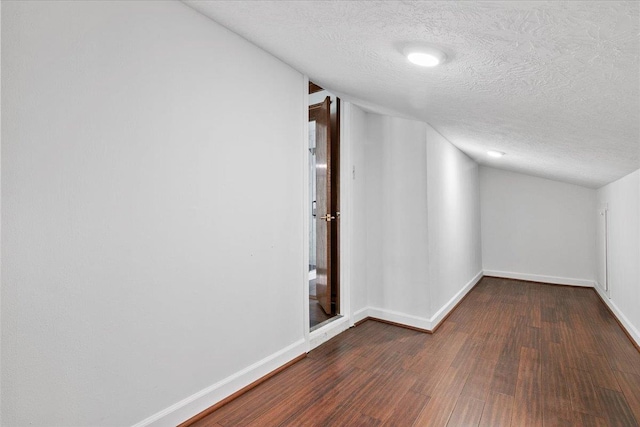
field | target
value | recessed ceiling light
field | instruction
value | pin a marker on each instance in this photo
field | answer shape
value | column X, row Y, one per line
column 496, row 154
column 424, row 56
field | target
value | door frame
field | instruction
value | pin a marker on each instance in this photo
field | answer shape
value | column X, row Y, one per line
column 326, row 262
column 331, row 329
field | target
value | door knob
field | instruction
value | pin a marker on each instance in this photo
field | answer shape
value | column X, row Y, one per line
column 327, row 217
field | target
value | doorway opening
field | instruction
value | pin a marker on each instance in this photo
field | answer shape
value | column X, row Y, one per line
column 324, row 200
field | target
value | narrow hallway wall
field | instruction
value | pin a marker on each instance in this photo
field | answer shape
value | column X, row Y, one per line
column 422, row 218
column 455, row 251
column 622, row 198
column 152, row 203
column 537, row 229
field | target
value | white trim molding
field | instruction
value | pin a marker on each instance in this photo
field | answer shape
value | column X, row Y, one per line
column 360, row 315
column 540, row 278
column 198, row 402
column 346, row 216
column 304, row 162
column 326, row 332
column 599, row 286
column 401, row 318
column 449, row 306
column 376, row 313
column 426, row 324
column 631, row 330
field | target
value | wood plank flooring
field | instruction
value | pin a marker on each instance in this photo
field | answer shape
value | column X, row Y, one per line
column 316, row 313
column 512, row 354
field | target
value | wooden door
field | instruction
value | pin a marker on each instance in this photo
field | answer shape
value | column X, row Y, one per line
column 321, row 114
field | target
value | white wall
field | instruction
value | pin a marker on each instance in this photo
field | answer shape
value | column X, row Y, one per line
column 537, row 229
column 455, row 253
column 622, row 198
column 1, row 72
column 422, row 216
column 371, row 172
column 356, row 173
column 396, row 178
column 152, row 210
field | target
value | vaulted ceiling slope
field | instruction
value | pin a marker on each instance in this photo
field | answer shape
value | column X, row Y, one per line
column 555, row 85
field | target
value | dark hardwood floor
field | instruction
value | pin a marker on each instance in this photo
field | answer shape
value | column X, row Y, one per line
column 512, row 354
column 316, row 313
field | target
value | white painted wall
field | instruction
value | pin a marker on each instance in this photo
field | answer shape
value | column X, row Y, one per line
column 537, row 229
column 152, row 211
column 371, row 172
column 422, row 215
column 356, row 173
column 151, row 252
column 455, row 252
column 623, row 200
column 396, row 200
column 1, row 418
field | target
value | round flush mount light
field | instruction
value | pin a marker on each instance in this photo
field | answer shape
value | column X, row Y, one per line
column 424, row 56
column 496, row 154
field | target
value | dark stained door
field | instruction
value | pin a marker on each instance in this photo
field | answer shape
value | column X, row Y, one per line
column 324, row 220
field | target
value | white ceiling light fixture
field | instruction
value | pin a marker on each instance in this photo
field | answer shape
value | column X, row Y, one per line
column 496, row 154
column 424, row 56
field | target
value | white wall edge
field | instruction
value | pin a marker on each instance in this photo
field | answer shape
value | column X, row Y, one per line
column 618, row 313
column 304, row 162
column 449, row 306
column 0, row 210
column 600, row 288
column 542, row 279
column 360, row 315
column 346, row 190
column 325, row 333
column 198, row 402
column 398, row 317
column 416, row 321
column 1, row 284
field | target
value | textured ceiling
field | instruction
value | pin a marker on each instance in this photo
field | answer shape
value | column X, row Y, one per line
column 555, row 85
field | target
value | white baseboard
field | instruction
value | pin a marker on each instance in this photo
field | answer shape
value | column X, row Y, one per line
column 540, row 278
column 401, row 318
column 424, row 323
column 325, row 333
column 446, row 309
column 198, row 402
column 603, row 291
column 392, row 316
column 360, row 315
column 621, row 317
